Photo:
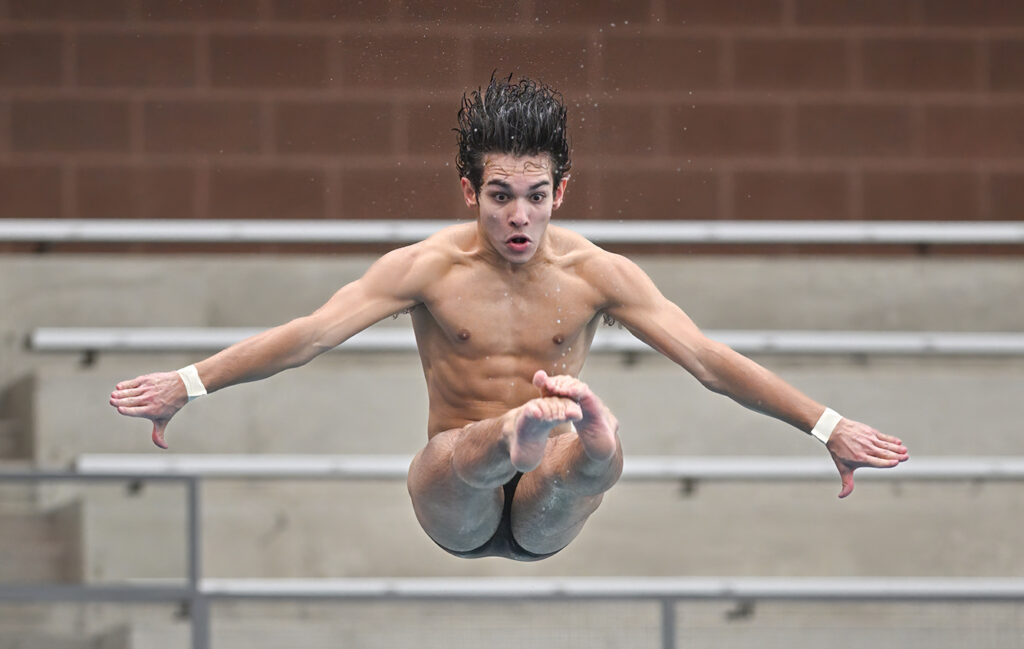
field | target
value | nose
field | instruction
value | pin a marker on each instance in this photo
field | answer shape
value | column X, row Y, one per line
column 520, row 217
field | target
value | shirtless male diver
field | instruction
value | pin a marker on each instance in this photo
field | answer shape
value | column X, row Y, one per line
column 504, row 309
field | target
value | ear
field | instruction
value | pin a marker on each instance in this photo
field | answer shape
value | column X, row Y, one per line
column 559, row 193
column 468, row 193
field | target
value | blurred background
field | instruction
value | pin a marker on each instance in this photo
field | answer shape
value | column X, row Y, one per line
column 746, row 110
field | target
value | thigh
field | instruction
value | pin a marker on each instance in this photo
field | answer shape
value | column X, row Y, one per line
column 548, row 512
column 456, row 515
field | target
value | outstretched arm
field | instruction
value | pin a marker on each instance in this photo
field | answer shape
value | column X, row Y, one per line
column 634, row 301
column 391, row 285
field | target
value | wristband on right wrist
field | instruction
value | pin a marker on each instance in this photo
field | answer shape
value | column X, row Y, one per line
column 826, row 424
column 193, row 385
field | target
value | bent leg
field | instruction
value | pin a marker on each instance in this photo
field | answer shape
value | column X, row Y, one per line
column 553, row 503
column 456, row 481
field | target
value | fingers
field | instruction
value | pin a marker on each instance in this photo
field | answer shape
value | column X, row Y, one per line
column 135, row 411
column 560, row 386
column 131, row 401
column 127, row 392
column 889, row 438
column 899, row 449
column 127, row 385
column 540, row 378
column 555, row 409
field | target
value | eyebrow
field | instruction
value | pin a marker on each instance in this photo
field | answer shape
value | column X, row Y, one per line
column 507, row 187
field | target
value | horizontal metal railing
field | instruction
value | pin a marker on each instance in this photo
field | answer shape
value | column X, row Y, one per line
column 386, row 339
column 602, row 232
column 635, row 468
column 196, row 593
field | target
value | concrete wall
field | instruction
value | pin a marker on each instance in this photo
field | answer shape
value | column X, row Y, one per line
column 336, row 405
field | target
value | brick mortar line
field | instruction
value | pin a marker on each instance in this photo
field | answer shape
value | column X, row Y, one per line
column 984, row 197
column 333, row 189
column 68, row 190
column 136, row 128
column 201, row 201
column 727, row 63
column 202, row 62
column 788, row 17
column 855, row 193
column 592, row 163
column 983, row 65
column 776, row 32
column 69, row 59
column 658, row 11
column 134, row 10
column 790, row 130
column 625, row 98
column 265, row 11
column 918, row 137
column 726, row 194
column 528, row 12
column 400, row 130
column 267, row 126
column 855, row 63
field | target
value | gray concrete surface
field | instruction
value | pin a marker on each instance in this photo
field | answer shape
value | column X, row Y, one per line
column 277, row 529
column 954, row 294
column 377, row 404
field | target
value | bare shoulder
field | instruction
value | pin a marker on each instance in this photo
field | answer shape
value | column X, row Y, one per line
column 410, row 268
column 612, row 274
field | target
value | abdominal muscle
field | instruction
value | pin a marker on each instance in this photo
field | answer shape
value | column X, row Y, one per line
column 463, row 391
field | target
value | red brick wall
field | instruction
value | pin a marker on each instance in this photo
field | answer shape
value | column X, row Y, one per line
column 701, row 109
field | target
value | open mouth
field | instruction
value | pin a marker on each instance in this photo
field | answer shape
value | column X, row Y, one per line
column 518, row 243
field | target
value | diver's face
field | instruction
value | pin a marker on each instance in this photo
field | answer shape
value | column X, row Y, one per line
column 517, row 196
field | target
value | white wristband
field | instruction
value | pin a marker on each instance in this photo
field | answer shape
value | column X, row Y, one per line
column 826, row 424
column 193, row 386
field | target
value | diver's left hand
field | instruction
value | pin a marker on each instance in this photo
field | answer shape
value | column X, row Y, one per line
column 854, row 445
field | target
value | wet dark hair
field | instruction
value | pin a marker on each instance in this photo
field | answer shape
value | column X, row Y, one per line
column 522, row 119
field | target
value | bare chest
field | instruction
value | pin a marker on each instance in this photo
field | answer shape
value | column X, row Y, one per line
column 477, row 315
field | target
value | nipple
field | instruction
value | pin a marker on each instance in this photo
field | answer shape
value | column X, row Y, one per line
column 463, row 334
column 558, row 339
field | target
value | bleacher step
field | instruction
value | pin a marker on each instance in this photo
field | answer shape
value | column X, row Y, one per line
column 31, row 548
column 17, row 496
column 39, row 640
column 10, row 439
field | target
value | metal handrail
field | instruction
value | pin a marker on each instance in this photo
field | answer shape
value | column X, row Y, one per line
column 197, row 593
column 603, row 232
column 401, row 339
column 655, row 588
column 635, row 468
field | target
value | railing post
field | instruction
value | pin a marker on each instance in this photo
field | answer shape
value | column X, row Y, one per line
column 198, row 605
column 668, row 624
column 199, row 614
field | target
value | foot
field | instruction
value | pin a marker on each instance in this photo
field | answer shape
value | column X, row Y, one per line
column 597, row 427
column 532, row 423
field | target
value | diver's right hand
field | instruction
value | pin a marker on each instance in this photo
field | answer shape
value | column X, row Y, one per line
column 157, row 397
